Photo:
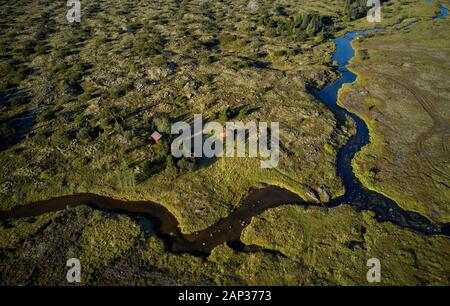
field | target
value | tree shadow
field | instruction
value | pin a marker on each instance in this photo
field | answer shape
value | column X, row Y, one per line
column 14, row 130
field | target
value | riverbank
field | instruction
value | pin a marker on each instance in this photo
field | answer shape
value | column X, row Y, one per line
column 193, row 237
column 391, row 102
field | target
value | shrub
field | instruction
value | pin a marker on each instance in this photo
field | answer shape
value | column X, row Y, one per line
column 171, row 167
column 162, row 123
column 227, row 38
column 306, row 22
column 212, row 102
column 242, row 113
column 225, row 114
column 364, row 54
column 86, row 134
column 279, row 53
column 40, row 48
column 132, row 28
column 158, row 152
column 149, row 43
column 121, row 90
column 354, row 9
column 186, row 165
column 181, row 101
column 148, row 169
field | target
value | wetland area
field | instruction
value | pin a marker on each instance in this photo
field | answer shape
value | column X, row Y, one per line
column 139, row 216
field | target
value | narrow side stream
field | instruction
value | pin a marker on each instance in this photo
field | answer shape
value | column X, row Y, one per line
column 357, row 195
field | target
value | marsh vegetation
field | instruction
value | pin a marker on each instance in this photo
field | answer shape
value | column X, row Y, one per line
column 79, row 104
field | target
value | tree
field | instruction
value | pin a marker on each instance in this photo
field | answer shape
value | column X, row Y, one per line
column 162, row 123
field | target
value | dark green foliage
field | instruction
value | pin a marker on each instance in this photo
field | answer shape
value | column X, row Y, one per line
column 88, row 133
column 158, row 151
column 148, row 169
column 207, row 59
column 171, row 167
column 134, row 27
column 364, row 54
column 354, row 9
column 186, row 165
column 59, row 67
column 149, row 43
column 72, row 73
column 238, row 64
column 161, row 122
column 27, row 48
column 310, row 23
column 242, row 113
column 46, row 115
column 227, row 38
column 6, row 130
column 206, row 79
column 212, row 102
column 225, row 114
column 180, row 101
column 43, row 136
column 40, row 48
column 279, row 53
column 93, row 9
column 13, row 73
column 121, row 90
column 75, row 73
column 228, row 113
column 157, row 157
column 16, row 100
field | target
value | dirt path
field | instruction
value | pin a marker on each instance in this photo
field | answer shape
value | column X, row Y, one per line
column 440, row 125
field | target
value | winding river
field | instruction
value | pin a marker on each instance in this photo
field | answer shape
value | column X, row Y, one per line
column 228, row 230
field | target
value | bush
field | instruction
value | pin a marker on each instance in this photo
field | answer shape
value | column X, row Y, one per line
column 76, row 72
column 17, row 75
column 149, row 43
column 132, row 28
column 355, row 9
column 227, row 38
column 40, row 48
column 121, row 90
column 242, row 113
column 186, row 165
column 171, row 168
column 225, row 114
column 157, row 159
column 279, row 53
column 87, row 134
column 181, row 101
column 162, row 123
column 84, row 134
column 310, row 23
column 59, row 67
column 46, row 116
column 212, row 102
column 364, row 54
column 158, row 152
column 148, row 169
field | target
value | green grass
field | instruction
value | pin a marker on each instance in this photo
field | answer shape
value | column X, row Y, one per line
column 313, row 247
column 335, row 245
column 99, row 140
column 412, row 172
column 142, row 66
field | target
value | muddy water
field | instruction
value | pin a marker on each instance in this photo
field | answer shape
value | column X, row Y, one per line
column 165, row 224
column 258, row 200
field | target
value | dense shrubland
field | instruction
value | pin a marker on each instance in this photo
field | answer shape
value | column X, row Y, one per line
column 99, row 89
column 300, row 25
